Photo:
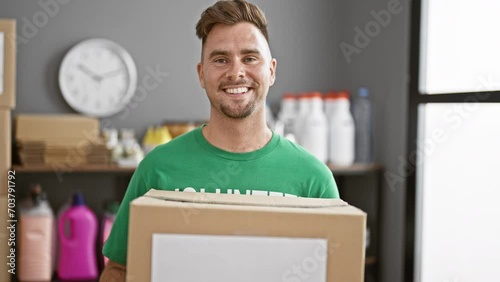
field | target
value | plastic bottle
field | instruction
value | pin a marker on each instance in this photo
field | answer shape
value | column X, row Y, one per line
column 77, row 236
column 287, row 116
column 132, row 151
column 148, row 142
column 363, row 118
column 65, row 206
column 341, row 132
column 107, row 222
column 314, row 136
column 304, row 108
column 36, row 238
column 269, row 117
column 329, row 100
column 163, row 135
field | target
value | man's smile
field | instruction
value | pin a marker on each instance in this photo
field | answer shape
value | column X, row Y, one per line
column 237, row 90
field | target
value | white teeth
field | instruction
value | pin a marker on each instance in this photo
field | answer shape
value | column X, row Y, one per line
column 237, row 90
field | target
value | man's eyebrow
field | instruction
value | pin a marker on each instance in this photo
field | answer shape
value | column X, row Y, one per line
column 226, row 53
column 218, row 53
column 250, row 51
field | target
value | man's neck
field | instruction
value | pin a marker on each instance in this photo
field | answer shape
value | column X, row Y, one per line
column 237, row 135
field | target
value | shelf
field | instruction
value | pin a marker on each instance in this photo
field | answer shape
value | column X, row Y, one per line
column 68, row 169
column 355, row 169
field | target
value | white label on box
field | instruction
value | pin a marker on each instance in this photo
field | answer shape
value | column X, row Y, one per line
column 210, row 258
column 1, row 62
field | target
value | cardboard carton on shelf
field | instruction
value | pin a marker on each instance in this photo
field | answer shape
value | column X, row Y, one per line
column 7, row 64
column 56, row 128
column 60, row 140
column 176, row 236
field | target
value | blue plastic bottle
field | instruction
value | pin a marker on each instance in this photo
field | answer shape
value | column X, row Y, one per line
column 363, row 119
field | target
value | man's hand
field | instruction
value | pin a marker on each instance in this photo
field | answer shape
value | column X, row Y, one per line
column 113, row 272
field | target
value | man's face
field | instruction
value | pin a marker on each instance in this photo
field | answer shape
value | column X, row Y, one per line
column 236, row 69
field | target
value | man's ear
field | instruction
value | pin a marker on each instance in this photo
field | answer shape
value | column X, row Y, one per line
column 199, row 68
column 273, row 66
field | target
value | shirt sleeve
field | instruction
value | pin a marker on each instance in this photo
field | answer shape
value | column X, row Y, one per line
column 330, row 190
column 115, row 247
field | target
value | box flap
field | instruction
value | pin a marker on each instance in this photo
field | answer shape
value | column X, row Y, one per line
column 244, row 200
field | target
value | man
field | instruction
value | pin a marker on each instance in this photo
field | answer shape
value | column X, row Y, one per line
column 235, row 153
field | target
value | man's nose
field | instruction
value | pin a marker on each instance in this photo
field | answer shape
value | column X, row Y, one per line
column 236, row 71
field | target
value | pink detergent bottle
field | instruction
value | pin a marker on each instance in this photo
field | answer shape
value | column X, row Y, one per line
column 111, row 210
column 77, row 236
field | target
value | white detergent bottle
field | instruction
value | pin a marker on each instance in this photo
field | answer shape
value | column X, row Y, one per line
column 288, row 116
column 36, row 238
column 329, row 100
column 314, row 136
column 341, row 132
column 304, row 109
column 269, row 117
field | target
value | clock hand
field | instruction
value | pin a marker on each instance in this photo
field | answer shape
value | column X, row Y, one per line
column 111, row 73
column 88, row 72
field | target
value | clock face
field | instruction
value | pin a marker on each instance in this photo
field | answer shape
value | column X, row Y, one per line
column 98, row 77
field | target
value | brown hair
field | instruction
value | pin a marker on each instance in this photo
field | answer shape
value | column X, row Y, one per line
column 231, row 12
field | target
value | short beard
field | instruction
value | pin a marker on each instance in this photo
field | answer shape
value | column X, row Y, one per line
column 249, row 109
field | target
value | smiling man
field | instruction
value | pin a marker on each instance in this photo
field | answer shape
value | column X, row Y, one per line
column 235, row 153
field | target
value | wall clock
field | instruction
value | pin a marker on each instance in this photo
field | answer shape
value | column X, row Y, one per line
column 98, row 77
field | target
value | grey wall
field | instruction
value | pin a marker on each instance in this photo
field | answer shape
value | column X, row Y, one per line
column 305, row 38
column 382, row 66
column 162, row 33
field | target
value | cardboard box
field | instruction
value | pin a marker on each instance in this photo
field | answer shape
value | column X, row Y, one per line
column 7, row 63
column 56, row 127
column 228, row 237
column 5, row 149
column 4, row 237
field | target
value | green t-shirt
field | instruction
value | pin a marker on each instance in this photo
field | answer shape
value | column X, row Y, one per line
column 190, row 164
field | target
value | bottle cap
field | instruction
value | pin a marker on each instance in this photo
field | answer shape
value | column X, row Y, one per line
column 35, row 193
column 304, row 95
column 78, row 199
column 363, row 92
column 315, row 95
column 344, row 94
column 330, row 95
column 290, row 96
